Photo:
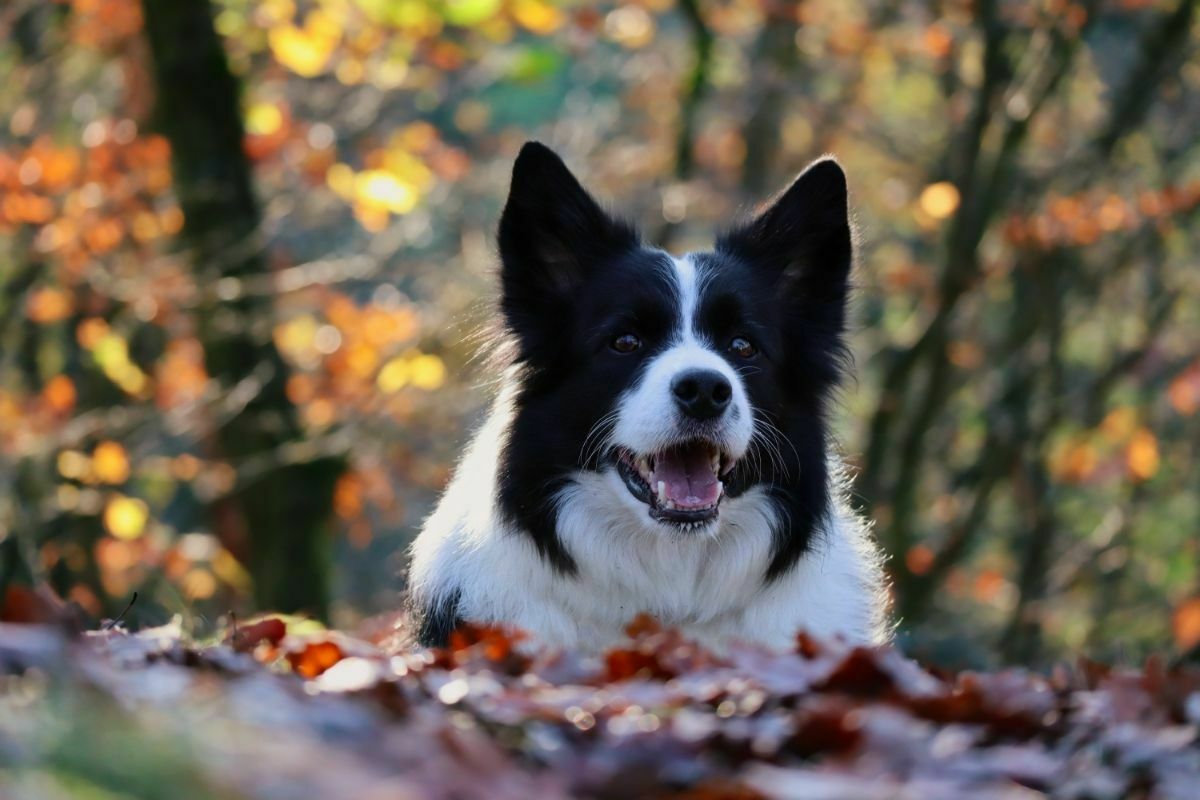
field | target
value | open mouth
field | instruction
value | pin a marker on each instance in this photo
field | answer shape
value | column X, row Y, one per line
column 682, row 484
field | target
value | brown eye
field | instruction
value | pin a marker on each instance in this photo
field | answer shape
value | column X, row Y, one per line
column 742, row 348
column 626, row 343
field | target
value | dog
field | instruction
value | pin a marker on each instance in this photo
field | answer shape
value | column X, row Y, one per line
column 659, row 443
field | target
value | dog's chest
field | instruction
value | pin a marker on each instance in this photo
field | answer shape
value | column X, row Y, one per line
column 678, row 590
column 625, row 569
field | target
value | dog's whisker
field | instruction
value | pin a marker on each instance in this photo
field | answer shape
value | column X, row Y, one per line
column 767, row 435
column 772, row 453
column 622, row 359
column 596, row 440
column 772, row 441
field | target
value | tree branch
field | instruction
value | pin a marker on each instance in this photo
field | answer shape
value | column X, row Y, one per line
column 696, row 88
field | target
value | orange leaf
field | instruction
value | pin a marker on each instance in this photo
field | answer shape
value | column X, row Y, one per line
column 937, row 41
column 1075, row 461
column 270, row 630
column 1184, row 391
column 348, row 496
column 939, row 200
column 59, row 394
column 1120, row 423
column 1142, row 455
column 48, row 305
column 1185, row 624
column 315, row 657
column 918, row 559
column 642, row 625
column 110, row 463
column 32, row 605
column 494, row 644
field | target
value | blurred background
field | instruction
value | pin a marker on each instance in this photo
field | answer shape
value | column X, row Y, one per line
column 243, row 246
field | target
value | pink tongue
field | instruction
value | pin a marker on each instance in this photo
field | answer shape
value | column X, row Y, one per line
column 689, row 479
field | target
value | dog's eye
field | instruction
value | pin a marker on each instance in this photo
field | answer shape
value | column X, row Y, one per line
column 742, row 348
column 626, row 343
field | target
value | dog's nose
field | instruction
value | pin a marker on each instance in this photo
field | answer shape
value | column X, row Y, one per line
column 701, row 393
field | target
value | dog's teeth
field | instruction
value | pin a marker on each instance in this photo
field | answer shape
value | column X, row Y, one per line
column 663, row 500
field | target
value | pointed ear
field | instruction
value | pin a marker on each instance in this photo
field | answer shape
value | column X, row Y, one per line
column 803, row 238
column 551, row 234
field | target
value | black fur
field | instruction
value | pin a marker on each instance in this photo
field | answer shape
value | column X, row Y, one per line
column 572, row 275
column 569, row 273
column 435, row 624
column 786, row 275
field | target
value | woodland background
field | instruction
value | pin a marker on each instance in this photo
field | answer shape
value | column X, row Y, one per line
column 243, row 245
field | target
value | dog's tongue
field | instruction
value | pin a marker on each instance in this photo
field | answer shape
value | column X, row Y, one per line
column 688, row 476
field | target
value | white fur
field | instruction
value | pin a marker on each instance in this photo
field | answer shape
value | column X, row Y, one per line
column 707, row 582
column 648, row 419
column 709, row 585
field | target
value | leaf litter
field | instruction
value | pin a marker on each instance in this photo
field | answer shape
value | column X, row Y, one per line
column 272, row 713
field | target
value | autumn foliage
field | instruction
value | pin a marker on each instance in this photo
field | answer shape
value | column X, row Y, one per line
column 1022, row 428
column 275, row 709
column 1023, row 421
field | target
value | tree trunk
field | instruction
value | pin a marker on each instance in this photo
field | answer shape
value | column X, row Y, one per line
column 285, row 509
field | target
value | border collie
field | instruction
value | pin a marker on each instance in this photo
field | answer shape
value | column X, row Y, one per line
column 659, row 443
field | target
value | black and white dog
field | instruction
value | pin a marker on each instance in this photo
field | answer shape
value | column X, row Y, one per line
column 659, row 443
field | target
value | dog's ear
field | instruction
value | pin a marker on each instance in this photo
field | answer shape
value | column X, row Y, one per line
column 802, row 239
column 551, row 234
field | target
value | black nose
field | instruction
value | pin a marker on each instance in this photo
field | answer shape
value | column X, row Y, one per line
column 701, row 393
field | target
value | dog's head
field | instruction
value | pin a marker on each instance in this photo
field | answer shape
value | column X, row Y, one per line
column 685, row 381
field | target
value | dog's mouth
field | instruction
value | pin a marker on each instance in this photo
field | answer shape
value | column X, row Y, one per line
column 681, row 484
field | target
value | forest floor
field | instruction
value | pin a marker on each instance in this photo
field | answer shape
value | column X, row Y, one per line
column 278, row 709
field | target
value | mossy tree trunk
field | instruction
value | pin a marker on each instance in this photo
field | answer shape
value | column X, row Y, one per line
column 284, row 509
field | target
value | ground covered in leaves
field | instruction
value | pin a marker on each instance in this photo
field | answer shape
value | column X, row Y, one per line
column 284, row 710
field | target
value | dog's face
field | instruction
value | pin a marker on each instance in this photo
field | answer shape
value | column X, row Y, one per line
column 684, row 381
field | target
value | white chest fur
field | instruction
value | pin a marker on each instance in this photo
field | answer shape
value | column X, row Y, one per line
column 708, row 585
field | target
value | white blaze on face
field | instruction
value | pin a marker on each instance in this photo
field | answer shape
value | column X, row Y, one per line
column 648, row 419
